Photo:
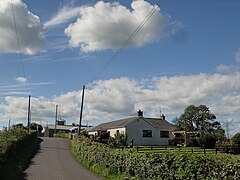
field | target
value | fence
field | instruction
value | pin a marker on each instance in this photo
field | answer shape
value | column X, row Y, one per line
column 217, row 149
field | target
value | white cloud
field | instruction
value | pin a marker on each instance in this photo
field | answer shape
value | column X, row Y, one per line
column 118, row 98
column 224, row 68
column 21, row 88
column 63, row 16
column 108, row 26
column 22, row 80
column 237, row 56
column 29, row 28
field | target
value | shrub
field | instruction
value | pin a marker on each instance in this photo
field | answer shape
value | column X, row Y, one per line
column 16, row 148
column 119, row 139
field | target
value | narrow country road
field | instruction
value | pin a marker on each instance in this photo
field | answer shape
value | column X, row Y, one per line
column 54, row 161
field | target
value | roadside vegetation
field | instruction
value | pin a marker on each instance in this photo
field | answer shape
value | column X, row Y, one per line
column 203, row 156
column 115, row 163
column 16, row 149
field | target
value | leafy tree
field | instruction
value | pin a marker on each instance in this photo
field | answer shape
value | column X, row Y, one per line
column 197, row 118
column 36, row 127
column 236, row 139
column 19, row 125
column 200, row 118
column 33, row 126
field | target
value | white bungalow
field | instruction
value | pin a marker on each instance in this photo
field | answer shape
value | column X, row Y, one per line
column 143, row 131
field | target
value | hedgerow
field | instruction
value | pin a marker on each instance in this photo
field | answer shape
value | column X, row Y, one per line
column 16, row 148
column 168, row 165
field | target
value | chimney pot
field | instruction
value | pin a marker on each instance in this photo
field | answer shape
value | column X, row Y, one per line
column 162, row 117
column 140, row 113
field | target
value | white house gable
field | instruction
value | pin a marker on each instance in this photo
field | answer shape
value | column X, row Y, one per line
column 141, row 132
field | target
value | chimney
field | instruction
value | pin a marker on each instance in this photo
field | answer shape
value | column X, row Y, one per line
column 140, row 113
column 162, row 117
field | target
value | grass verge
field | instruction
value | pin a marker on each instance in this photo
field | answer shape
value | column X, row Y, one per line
column 16, row 164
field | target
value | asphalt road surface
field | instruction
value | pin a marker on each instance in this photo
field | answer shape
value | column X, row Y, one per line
column 54, row 161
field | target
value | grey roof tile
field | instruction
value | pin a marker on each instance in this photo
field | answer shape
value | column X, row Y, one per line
column 159, row 123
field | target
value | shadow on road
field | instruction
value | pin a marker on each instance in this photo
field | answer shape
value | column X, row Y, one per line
column 36, row 151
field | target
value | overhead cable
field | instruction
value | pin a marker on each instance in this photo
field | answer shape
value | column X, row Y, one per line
column 132, row 35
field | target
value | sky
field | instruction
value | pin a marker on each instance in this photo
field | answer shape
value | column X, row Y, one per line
column 151, row 55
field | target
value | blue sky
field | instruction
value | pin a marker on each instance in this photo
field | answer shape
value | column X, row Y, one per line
column 187, row 53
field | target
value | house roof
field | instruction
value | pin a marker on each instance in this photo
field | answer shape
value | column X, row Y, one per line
column 113, row 124
column 158, row 123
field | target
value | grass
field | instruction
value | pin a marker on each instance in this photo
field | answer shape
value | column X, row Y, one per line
column 15, row 165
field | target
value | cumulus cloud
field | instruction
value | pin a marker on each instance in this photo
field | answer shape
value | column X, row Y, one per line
column 118, row 98
column 22, row 80
column 108, row 25
column 237, row 56
column 224, row 68
column 230, row 68
column 28, row 25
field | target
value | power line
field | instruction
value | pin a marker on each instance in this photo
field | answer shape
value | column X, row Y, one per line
column 18, row 43
column 132, row 35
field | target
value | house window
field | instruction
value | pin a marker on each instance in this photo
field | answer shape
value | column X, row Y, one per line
column 147, row 133
column 164, row 134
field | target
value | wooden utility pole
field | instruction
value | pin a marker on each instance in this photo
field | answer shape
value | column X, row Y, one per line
column 56, row 116
column 9, row 124
column 81, row 111
column 228, row 122
column 29, row 109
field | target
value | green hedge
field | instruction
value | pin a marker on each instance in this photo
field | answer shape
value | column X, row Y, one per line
column 169, row 165
column 16, row 149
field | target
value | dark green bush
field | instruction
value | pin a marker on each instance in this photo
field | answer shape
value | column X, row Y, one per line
column 236, row 139
column 208, row 140
column 16, row 147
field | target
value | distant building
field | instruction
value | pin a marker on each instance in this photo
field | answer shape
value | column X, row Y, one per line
column 61, row 127
column 140, row 130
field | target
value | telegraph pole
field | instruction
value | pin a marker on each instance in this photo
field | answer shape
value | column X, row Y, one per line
column 227, row 127
column 81, row 111
column 9, row 124
column 56, row 119
column 29, row 107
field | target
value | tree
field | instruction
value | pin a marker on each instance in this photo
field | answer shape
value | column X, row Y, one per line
column 200, row 118
column 236, row 139
column 19, row 125
column 197, row 118
column 37, row 127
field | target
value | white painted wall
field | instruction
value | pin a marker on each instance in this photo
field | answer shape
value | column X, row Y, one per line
column 92, row 133
column 114, row 131
column 135, row 131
